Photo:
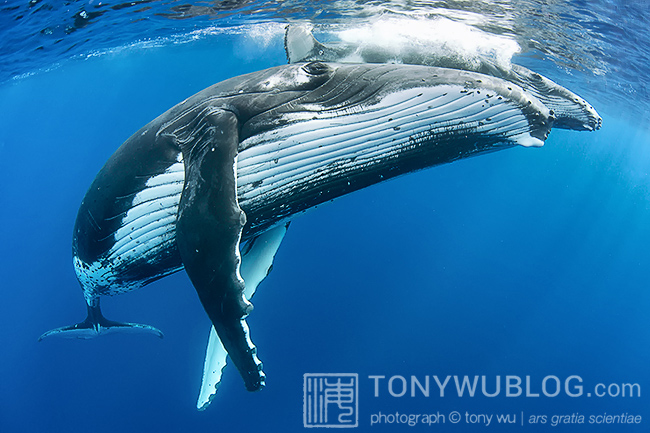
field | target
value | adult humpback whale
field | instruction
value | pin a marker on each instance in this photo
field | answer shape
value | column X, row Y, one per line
column 237, row 161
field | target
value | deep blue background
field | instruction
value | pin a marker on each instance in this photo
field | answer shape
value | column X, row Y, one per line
column 526, row 262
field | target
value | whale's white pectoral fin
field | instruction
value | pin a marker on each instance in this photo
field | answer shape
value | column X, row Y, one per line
column 257, row 257
column 215, row 362
column 257, row 262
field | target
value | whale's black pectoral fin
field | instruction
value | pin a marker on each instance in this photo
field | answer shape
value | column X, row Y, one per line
column 257, row 262
column 208, row 231
column 96, row 324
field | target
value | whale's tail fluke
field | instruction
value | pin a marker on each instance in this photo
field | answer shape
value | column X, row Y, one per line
column 96, row 324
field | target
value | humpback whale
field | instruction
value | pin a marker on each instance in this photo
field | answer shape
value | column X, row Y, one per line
column 571, row 111
column 211, row 185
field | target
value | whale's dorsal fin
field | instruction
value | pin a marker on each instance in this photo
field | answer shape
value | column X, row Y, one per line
column 209, row 227
column 257, row 261
column 300, row 45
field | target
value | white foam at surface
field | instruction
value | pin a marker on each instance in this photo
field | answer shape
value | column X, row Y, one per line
column 441, row 37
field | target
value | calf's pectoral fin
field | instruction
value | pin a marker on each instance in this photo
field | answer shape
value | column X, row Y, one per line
column 208, row 232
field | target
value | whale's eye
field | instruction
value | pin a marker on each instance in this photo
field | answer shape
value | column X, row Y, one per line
column 316, row 68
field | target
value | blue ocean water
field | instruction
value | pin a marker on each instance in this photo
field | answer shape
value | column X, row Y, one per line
column 526, row 262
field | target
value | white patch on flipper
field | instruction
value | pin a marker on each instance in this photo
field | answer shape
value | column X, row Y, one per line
column 148, row 227
column 528, row 140
column 257, row 260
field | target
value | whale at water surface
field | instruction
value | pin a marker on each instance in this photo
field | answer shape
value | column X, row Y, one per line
column 570, row 110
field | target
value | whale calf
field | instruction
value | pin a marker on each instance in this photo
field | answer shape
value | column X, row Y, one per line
column 211, row 185
column 571, row 111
